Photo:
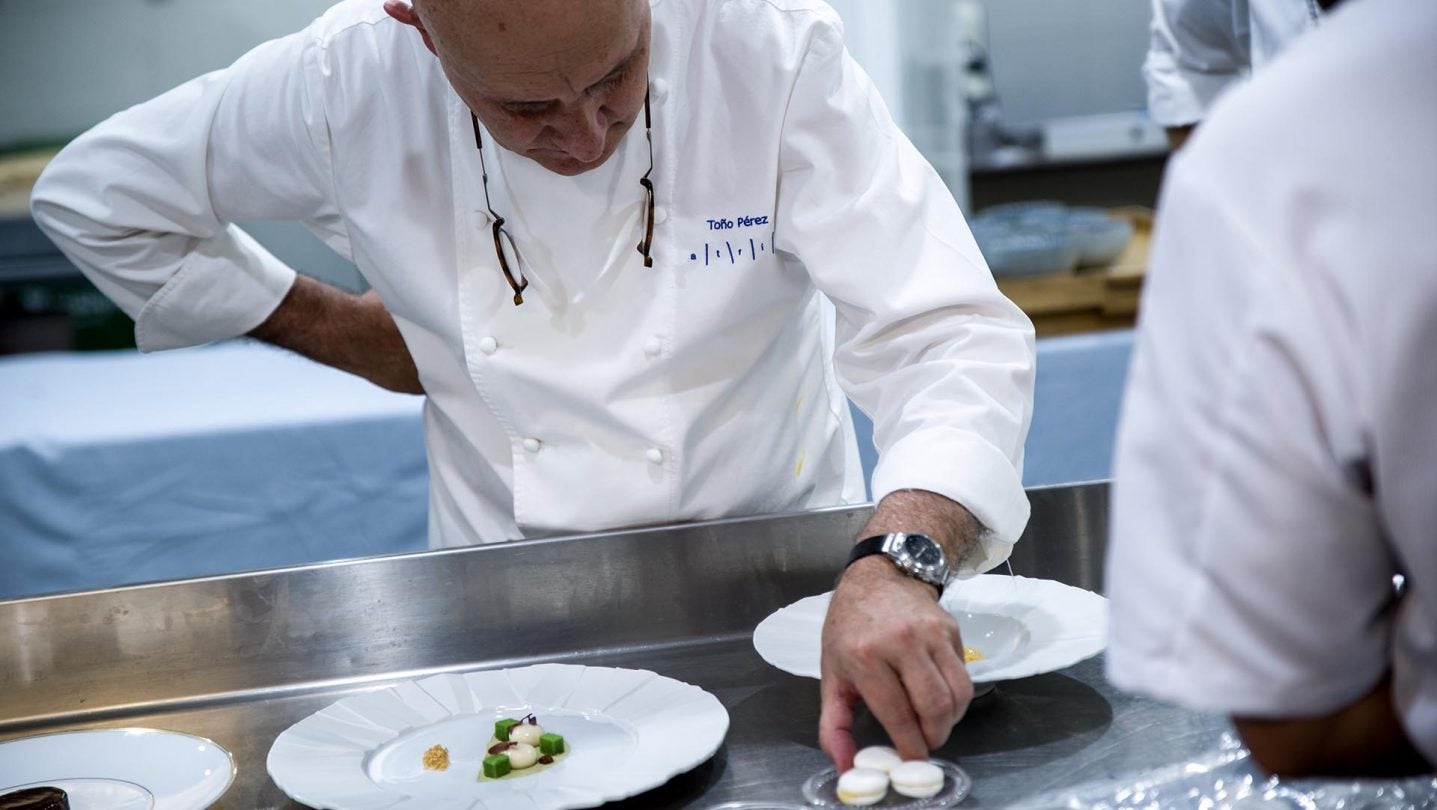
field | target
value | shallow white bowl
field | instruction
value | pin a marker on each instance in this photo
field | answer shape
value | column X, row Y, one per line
column 120, row 768
column 1022, row 626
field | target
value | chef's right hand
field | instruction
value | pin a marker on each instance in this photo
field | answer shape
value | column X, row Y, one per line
column 888, row 643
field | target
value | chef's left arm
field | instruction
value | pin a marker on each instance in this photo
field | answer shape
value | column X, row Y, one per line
column 1363, row 738
column 941, row 361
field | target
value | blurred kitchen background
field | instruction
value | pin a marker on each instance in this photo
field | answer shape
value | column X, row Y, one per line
column 1010, row 100
column 117, row 467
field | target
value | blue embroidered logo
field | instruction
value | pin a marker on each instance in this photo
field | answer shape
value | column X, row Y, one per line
column 722, row 224
column 732, row 249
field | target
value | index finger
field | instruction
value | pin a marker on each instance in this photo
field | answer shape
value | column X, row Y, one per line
column 888, row 699
column 835, row 724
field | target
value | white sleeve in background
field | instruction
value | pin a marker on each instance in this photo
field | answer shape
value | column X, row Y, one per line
column 926, row 344
column 1198, row 49
column 143, row 202
column 1248, row 570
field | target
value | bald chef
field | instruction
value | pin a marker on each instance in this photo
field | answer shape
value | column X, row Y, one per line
column 601, row 239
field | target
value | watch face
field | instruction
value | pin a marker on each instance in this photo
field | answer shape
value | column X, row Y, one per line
column 922, row 550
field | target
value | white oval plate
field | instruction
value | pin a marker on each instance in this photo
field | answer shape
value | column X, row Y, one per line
column 627, row 731
column 1022, row 626
column 120, row 768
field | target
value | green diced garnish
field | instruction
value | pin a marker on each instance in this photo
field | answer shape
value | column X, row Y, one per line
column 496, row 765
column 551, row 744
column 502, row 728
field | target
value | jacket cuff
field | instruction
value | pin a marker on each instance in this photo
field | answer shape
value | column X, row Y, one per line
column 965, row 469
column 226, row 287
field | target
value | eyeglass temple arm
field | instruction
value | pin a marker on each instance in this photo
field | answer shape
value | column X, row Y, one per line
column 646, row 246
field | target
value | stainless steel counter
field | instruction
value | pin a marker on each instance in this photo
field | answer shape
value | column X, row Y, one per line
column 239, row 658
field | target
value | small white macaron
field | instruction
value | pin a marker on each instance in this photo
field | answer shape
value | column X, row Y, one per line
column 917, row 779
column 862, row 786
column 877, row 757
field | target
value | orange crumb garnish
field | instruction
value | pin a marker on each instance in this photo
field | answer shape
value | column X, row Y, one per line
column 436, row 759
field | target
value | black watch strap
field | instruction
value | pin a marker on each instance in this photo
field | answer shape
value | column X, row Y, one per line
column 866, row 547
column 869, row 546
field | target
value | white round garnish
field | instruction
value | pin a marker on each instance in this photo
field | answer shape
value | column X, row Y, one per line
column 877, row 757
column 526, row 733
column 862, row 786
column 917, row 779
column 522, row 755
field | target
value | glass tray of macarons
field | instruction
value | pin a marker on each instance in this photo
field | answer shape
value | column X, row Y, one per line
column 880, row 778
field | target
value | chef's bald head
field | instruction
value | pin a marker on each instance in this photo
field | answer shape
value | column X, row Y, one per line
column 559, row 81
column 495, row 22
column 498, row 42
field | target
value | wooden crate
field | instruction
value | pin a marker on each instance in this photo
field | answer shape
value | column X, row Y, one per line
column 1091, row 298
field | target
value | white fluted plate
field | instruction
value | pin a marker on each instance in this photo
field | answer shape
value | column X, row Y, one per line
column 627, row 731
column 120, row 768
column 1022, row 626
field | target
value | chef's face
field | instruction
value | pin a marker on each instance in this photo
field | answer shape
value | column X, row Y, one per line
column 557, row 81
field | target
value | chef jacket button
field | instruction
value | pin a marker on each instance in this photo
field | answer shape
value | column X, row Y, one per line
column 488, row 345
column 658, row 90
column 660, row 214
column 531, row 445
column 653, row 347
column 655, row 455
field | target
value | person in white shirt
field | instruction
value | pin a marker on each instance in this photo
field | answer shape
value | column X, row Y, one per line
column 1201, row 48
column 1276, row 462
column 603, row 239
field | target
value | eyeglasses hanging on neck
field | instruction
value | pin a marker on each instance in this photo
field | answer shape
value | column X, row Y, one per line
column 504, row 247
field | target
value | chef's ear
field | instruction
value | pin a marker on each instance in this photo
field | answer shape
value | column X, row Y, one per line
column 404, row 13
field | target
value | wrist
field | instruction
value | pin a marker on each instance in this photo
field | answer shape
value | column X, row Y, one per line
column 879, row 571
column 946, row 521
column 353, row 333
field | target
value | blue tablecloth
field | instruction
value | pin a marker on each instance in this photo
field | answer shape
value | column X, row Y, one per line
column 118, row 468
column 1075, row 409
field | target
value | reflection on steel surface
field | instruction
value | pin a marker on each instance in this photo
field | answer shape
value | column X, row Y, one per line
column 239, row 658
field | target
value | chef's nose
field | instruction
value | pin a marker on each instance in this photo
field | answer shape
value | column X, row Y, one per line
column 584, row 132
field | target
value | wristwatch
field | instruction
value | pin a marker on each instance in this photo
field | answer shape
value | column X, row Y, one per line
column 916, row 555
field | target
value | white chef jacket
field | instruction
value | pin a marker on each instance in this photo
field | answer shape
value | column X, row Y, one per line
column 1276, row 462
column 704, row 387
column 1200, row 48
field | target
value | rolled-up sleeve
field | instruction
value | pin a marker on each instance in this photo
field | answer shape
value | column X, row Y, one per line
column 144, row 203
column 1196, row 52
column 926, row 344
